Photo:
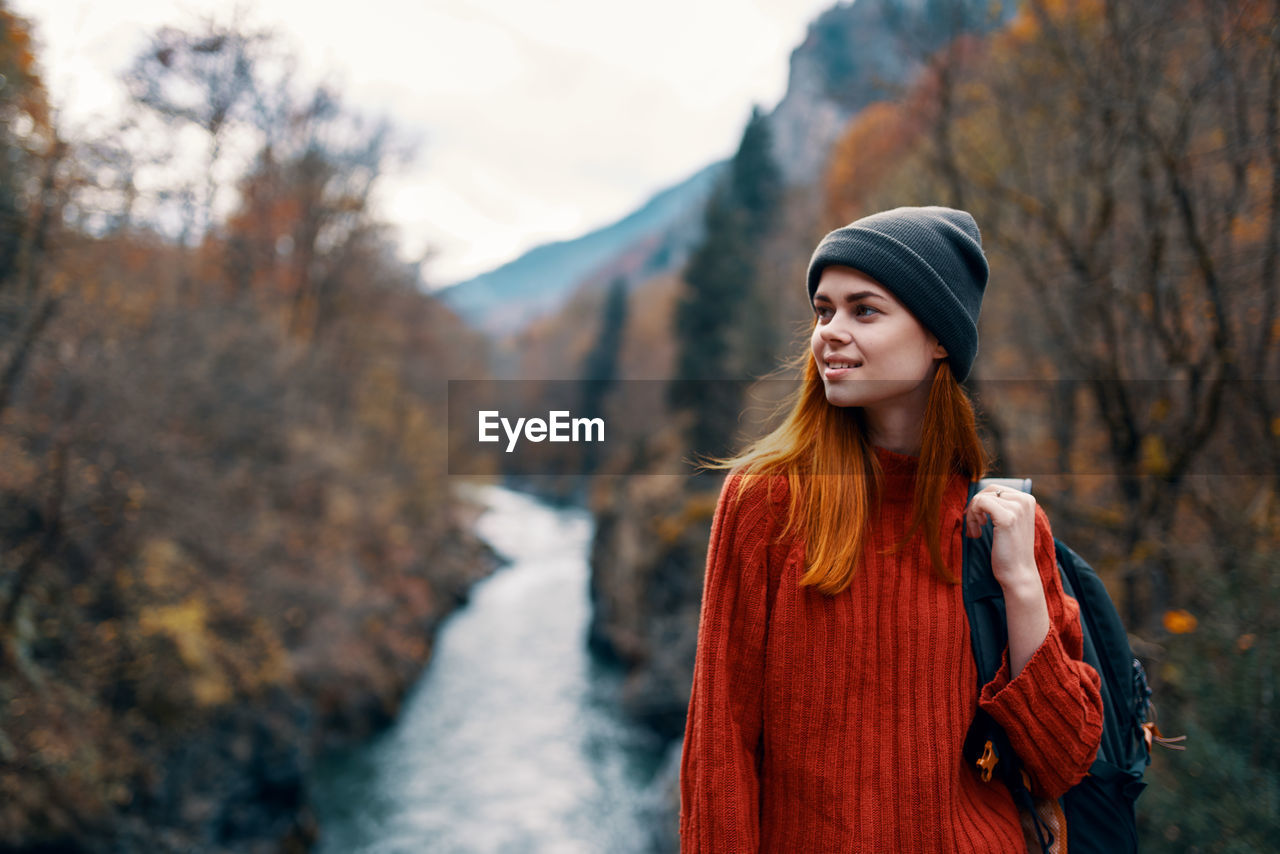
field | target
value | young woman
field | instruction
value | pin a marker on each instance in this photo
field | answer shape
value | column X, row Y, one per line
column 834, row 681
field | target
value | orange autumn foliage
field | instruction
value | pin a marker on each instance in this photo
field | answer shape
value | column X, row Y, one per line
column 869, row 150
column 18, row 64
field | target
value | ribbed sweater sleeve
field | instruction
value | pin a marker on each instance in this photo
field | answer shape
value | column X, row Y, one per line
column 1052, row 710
column 719, row 782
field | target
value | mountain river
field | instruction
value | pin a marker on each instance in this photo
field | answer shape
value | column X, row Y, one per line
column 510, row 742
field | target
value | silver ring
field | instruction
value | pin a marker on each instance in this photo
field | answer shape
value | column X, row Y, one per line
column 999, row 493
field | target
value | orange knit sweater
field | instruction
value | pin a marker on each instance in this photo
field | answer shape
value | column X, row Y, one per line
column 836, row 724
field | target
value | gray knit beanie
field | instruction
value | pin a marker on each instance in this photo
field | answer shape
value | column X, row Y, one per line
column 930, row 258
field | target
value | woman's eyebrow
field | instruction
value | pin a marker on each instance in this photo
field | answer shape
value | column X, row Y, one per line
column 854, row 297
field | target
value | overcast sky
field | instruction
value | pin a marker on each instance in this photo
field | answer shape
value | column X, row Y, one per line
column 539, row 119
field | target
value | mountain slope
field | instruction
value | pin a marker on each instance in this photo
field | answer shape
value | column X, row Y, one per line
column 506, row 299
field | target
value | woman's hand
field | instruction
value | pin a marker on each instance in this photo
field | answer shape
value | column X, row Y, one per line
column 1013, row 519
column 1013, row 563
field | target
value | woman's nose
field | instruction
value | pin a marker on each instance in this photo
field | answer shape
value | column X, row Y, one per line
column 833, row 330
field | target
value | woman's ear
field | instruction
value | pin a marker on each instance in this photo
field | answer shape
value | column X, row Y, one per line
column 939, row 352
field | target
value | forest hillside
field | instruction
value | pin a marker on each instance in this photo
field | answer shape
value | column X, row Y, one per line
column 226, row 530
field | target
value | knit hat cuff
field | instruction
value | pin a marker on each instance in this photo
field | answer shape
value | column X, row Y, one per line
column 892, row 262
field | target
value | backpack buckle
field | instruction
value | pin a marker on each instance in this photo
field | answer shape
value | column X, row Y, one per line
column 987, row 761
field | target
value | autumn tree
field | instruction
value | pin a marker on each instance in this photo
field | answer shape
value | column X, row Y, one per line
column 30, row 205
column 25, row 118
column 304, row 206
column 206, row 78
column 1117, row 155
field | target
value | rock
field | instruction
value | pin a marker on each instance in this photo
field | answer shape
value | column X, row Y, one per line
column 647, row 562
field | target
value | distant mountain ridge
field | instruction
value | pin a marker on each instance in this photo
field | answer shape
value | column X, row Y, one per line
column 506, row 299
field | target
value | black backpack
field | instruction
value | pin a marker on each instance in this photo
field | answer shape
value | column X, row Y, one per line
column 1100, row 810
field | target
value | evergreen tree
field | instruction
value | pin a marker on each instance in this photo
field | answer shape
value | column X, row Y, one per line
column 601, row 363
column 723, row 336
column 600, row 368
column 757, row 183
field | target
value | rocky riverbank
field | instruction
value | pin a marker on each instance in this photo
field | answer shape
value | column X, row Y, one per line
column 181, row 770
column 647, row 564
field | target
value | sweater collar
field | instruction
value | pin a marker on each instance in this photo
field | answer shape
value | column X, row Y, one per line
column 899, row 473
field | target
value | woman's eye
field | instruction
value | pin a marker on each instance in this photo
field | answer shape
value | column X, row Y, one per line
column 824, row 312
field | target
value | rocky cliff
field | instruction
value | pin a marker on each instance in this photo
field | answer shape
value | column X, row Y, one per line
column 855, row 54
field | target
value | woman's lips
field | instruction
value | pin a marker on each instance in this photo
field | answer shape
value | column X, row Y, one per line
column 836, row 373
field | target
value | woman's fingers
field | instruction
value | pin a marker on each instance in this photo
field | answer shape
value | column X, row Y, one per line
column 1000, row 504
column 1012, row 513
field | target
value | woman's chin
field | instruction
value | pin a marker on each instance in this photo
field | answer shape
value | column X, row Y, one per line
column 843, row 396
column 873, row 392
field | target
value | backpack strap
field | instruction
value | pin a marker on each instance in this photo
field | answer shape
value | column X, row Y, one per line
column 983, row 596
column 986, row 745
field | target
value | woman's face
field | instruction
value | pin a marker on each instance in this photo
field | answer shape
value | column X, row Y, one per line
column 869, row 349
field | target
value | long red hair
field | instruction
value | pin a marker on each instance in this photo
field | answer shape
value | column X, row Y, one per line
column 822, row 448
